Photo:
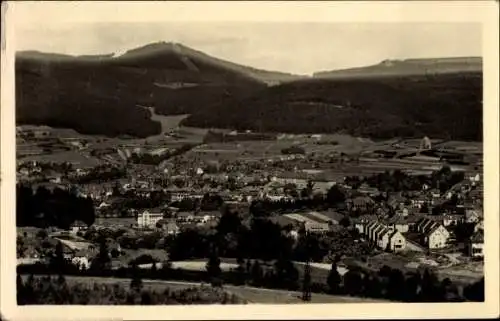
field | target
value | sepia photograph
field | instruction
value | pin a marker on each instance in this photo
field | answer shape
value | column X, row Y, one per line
column 223, row 161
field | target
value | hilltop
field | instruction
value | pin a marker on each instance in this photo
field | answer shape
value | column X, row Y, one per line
column 101, row 94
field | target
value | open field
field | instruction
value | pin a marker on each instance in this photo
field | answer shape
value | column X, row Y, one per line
column 115, row 221
column 74, row 157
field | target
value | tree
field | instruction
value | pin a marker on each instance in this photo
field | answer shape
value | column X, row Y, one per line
column 20, row 247
column 20, row 290
column 102, row 262
column 213, row 268
column 345, row 221
column 395, row 287
column 475, row 291
column 306, row 283
column 334, row 279
column 136, row 282
column 241, row 270
column 257, row 272
column 154, row 270
column 412, row 287
column 430, row 287
column 353, row 282
column 58, row 262
column 335, row 196
column 285, row 273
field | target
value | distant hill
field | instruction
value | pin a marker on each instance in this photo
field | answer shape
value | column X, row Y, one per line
column 409, row 67
column 99, row 94
column 441, row 105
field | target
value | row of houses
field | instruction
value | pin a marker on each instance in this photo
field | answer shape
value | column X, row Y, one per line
column 384, row 237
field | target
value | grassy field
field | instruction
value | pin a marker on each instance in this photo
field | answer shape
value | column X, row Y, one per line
column 250, row 294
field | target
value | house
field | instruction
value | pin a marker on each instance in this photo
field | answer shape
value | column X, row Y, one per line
column 384, row 237
column 479, row 226
column 361, row 222
column 453, row 219
column 184, row 217
column 327, row 217
column 419, row 201
column 316, row 227
column 361, row 203
column 168, row 226
column 397, row 242
column 476, row 244
column 434, row 195
column 149, row 218
column 81, row 259
column 434, row 234
column 365, row 189
column 472, row 216
column 78, row 226
column 398, row 223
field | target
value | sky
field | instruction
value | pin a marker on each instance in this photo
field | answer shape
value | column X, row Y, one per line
column 294, row 46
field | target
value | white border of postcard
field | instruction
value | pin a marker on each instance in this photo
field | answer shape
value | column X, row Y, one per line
column 485, row 12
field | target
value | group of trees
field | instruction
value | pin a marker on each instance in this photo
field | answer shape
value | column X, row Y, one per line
column 261, row 239
column 56, row 290
column 334, row 198
column 397, row 181
column 44, row 208
column 394, row 285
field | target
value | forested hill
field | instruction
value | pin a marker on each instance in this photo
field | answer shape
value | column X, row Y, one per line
column 447, row 105
column 100, row 94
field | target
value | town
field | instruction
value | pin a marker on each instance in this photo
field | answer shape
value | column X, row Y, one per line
column 237, row 208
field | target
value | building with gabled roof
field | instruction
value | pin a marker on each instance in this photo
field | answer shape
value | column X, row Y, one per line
column 434, row 234
column 476, row 244
column 384, row 237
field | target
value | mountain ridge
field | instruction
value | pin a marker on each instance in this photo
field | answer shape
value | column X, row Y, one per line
column 99, row 94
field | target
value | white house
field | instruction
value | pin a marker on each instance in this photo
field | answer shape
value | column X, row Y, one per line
column 81, row 261
column 435, row 235
column 472, row 216
column 397, row 242
column 316, row 227
column 149, row 219
column 384, row 237
column 476, row 244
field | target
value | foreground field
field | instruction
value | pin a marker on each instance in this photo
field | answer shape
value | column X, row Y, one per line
column 249, row 294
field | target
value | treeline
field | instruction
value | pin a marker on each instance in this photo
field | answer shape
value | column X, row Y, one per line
column 44, row 208
column 386, row 283
column 397, row 181
column 57, row 291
